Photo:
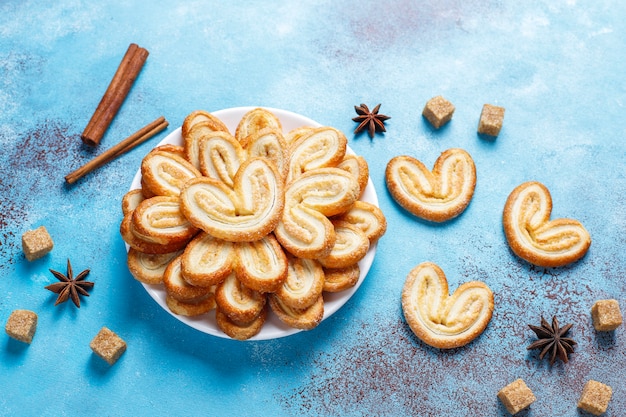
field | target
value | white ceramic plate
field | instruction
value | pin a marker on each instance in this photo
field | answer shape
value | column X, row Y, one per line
column 273, row 327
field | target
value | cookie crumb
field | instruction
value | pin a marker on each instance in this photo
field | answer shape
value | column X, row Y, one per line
column 108, row 345
column 21, row 325
column 516, row 396
column 36, row 243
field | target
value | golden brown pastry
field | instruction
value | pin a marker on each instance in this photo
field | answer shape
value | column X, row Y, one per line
column 196, row 125
column 164, row 173
column 367, row 217
column 304, row 229
column 242, row 331
column 441, row 320
column 261, row 265
column 270, row 144
column 207, row 261
column 533, row 236
column 295, row 134
column 160, row 220
column 246, row 213
column 196, row 308
column 305, row 319
column 304, row 283
column 138, row 242
column 131, row 200
column 436, row 196
column 220, row 156
column 240, row 303
column 340, row 279
column 149, row 268
column 254, row 121
column 181, row 290
column 357, row 166
column 351, row 245
column 323, row 147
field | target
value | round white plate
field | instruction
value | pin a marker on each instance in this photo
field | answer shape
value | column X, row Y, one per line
column 273, row 327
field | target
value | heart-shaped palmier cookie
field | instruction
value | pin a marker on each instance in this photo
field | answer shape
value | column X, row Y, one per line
column 245, row 213
column 441, row 320
column 533, row 236
column 437, row 195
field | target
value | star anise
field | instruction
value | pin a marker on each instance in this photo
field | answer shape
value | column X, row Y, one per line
column 70, row 287
column 371, row 120
column 551, row 340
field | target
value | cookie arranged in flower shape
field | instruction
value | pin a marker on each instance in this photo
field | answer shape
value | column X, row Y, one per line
column 438, row 195
column 247, row 212
column 224, row 229
column 304, row 229
column 533, row 236
column 441, row 320
column 317, row 148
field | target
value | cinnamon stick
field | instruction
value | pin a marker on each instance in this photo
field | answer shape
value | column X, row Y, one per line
column 115, row 94
column 124, row 146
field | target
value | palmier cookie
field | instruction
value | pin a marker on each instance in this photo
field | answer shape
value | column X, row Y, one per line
column 220, row 156
column 436, row 196
column 322, row 147
column 144, row 244
column 367, row 217
column 207, row 261
column 533, row 236
column 340, row 279
column 304, row 283
column 270, row 144
column 160, row 220
column 196, row 125
column 131, row 200
column 304, row 319
column 240, row 331
column 351, row 245
column 261, row 265
column 304, row 229
column 240, row 303
column 441, row 320
column 254, row 121
column 164, row 173
column 176, row 286
column 246, row 213
column 357, row 166
column 196, row 308
column 149, row 268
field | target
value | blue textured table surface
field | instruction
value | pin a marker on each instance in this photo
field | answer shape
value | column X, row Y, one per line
column 556, row 66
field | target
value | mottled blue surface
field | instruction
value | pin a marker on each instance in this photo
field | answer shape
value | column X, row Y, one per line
column 556, row 66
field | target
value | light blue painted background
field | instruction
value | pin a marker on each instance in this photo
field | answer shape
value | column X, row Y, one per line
column 556, row 66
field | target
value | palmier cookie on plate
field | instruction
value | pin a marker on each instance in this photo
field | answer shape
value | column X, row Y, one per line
column 340, row 279
column 367, row 217
column 243, row 331
column 246, row 213
column 304, row 319
column 441, row 320
column 261, row 265
column 241, row 304
column 438, row 195
column 164, row 173
column 533, row 236
column 184, row 299
column 160, row 220
column 207, row 261
column 351, row 245
column 304, row 283
column 149, row 268
column 253, row 122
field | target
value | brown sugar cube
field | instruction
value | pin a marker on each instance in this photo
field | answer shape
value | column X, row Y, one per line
column 36, row 243
column 22, row 325
column 438, row 111
column 606, row 315
column 516, row 396
column 491, row 120
column 108, row 345
column 595, row 397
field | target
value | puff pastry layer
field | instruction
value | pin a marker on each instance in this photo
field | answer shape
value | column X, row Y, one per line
column 533, row 236
column 441, row 320
column 438, row 195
